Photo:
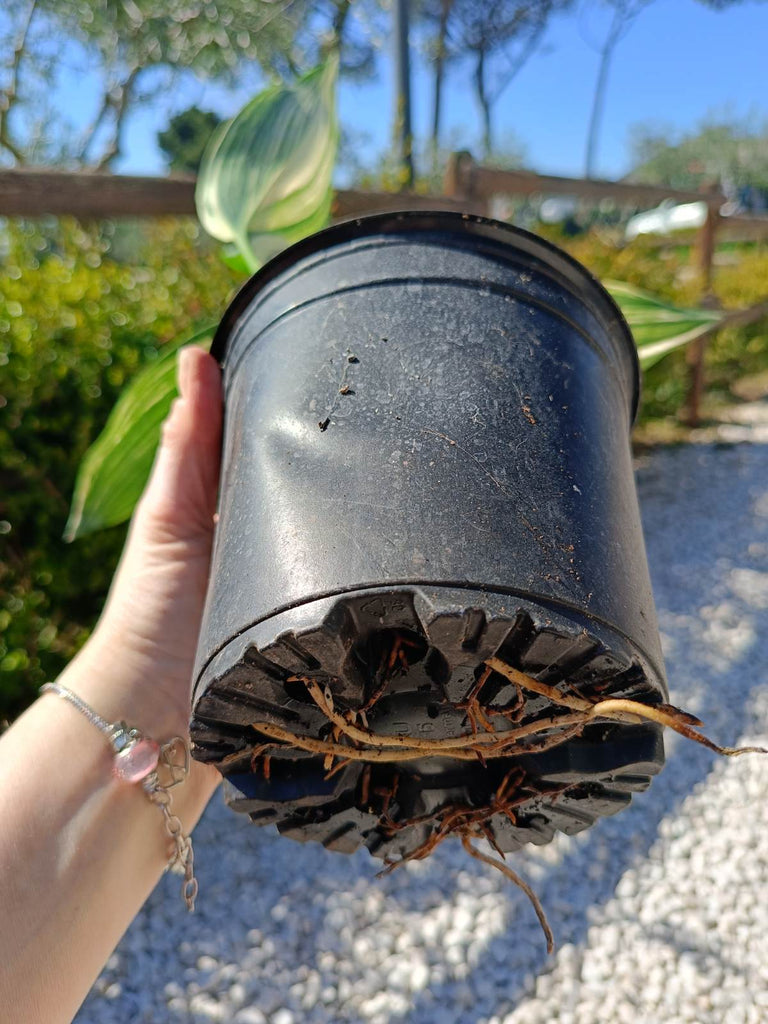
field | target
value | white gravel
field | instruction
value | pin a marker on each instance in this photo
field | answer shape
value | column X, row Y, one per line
column 659, row 913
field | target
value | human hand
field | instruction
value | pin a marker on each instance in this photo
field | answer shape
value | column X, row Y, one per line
column 80, row 850
column 138, row 664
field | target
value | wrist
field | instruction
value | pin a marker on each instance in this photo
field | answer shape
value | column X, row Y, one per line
column 111, row 678
column 138, row 762
column 122, row 684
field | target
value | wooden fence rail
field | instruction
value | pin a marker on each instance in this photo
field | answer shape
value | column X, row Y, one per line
column 468, row 187
column 34, row 192
column 467, row 179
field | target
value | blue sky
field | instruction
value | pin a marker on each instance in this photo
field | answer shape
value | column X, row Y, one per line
column 679, row 63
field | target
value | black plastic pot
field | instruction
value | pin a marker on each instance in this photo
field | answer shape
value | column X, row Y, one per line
column 426, row 444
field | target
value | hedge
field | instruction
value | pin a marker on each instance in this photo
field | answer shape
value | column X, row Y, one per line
column 81, row 309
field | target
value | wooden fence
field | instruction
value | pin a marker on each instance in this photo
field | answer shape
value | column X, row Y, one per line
column 468, row 187
column 34, row 192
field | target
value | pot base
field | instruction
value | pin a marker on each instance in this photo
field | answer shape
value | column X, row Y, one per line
column 369, row 719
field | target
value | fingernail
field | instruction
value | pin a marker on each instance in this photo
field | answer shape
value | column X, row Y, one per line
column 184, row 371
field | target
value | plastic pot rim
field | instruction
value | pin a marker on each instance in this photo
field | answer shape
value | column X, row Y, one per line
column 578, row 276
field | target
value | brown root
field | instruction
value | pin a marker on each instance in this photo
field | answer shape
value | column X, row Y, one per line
column 527, row 682
column 520, row 883
column 472, row 823
column 673, row 718
column 379, row 749
column 352, row 740
column 623, row 710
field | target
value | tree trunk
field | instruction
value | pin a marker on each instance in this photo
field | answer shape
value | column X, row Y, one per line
column 597, row 112
column 403, row 131
column 120, row 105
column 440, row 55
column 338, row 24
column 620, row 16
column 485, row 105
column 9, row 95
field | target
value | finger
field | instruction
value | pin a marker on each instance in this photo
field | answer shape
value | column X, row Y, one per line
column 200, row 387
column 181, row 495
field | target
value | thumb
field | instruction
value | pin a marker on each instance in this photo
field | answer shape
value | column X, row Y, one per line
column 180, row 498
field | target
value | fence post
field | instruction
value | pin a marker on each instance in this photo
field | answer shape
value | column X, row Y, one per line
column 704, row 251
column 705, row 246
column 457, row 182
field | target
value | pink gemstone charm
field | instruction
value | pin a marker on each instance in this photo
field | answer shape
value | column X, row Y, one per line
column 137, row 760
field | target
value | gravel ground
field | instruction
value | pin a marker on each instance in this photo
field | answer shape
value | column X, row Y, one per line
column 659, row 913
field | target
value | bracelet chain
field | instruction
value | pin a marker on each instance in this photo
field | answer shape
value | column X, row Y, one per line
column 181, row 858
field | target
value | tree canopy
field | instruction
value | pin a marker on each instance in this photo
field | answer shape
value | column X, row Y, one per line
column 730, row 154
column 185, row 138
column 497, row 37
column 132, row 48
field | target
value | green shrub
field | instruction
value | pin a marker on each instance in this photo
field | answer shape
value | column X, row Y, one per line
column 669, row 273
column 81, row 309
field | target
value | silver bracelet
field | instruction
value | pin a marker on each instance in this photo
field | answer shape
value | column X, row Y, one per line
column 141, row 759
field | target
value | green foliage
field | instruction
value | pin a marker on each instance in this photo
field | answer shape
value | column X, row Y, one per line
column 658, row 327
column 265, row 180
column 131, row 50
column 667, row 273
column 211, row 37
column 116, row 467
column 185, row 138
column 739, row 352
column 75, row 326
column 730, row 153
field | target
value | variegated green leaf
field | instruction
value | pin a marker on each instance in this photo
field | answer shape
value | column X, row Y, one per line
column 116, row 467
column 658, row 327
column 265, row 179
